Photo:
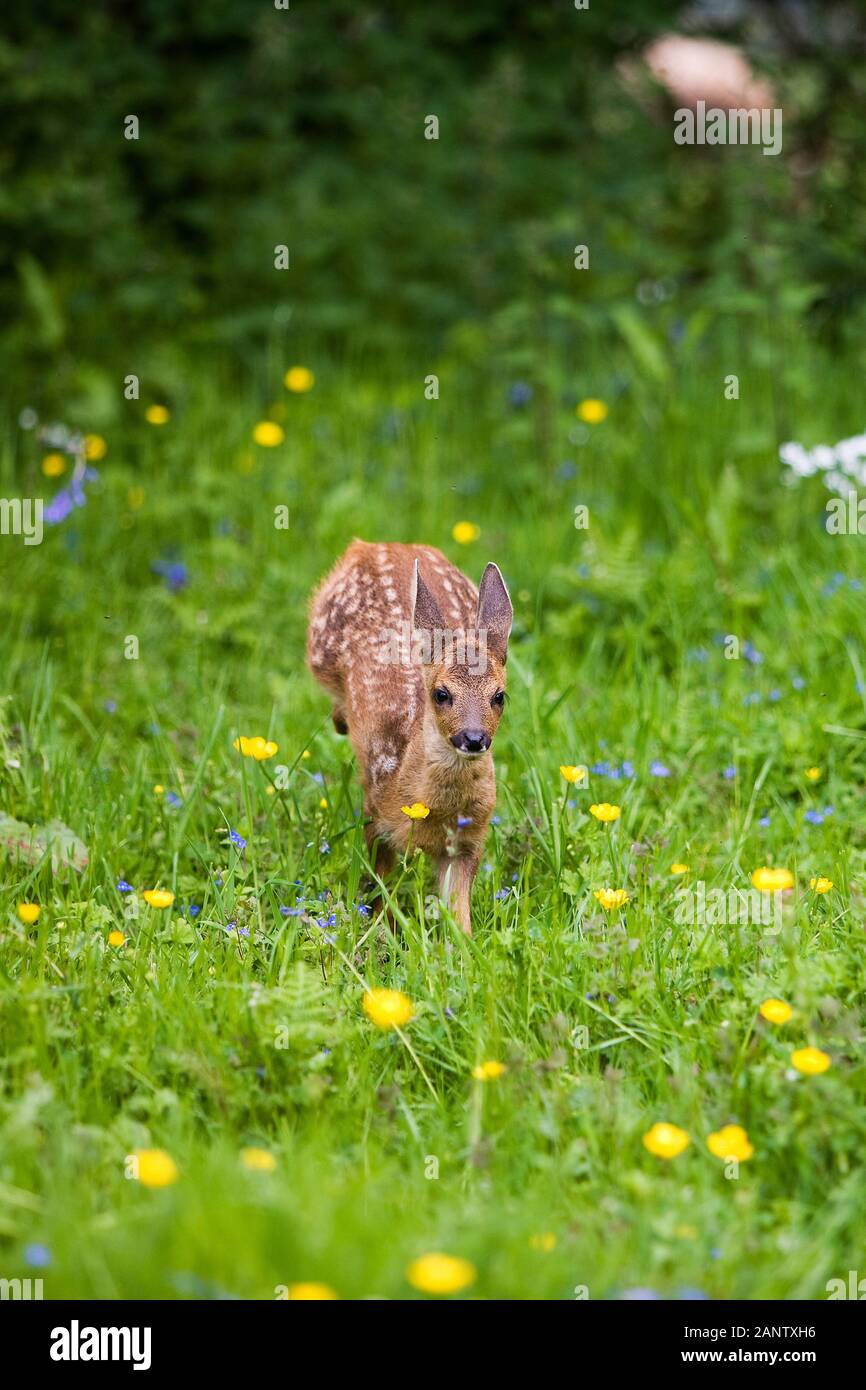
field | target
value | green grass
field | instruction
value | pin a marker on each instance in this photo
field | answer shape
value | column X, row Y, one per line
column 200, row 1040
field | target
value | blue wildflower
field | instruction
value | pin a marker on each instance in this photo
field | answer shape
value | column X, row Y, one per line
column 292, row 911
column 658, row 769
column 765, row 821
column 729, row 774
column 174, row 572
column 519, row 394
column 237, row 839
column 37, row 1256
column 123, row 887
column 173, row 799
column 194, row 909
column 363, row 910
column 463, row 821
column 503, row 893
column 814, row 817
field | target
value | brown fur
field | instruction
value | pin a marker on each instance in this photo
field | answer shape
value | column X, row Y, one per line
column 402, row 738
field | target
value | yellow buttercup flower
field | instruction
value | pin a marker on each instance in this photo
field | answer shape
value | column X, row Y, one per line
column 323, row 803
column 29, row 913
column 159, row 789
column 299, row 379
column 591, row 411
column 437, row 1273
column 665, row 1141
column 53, row 465
column 731, row 1141
column 489, row 1071
column 417, row 811
column 259, row 1160
column 546, row 1241
column 116, row 938
column 775, row 1011
column 158, row 897
column 156, row 415
column 268, row 434
column 603, row 811
column 311, row 1292
column 679, row 868
column 772, row 880
column 155, row 1168
column 573, row 774
column 813, row 773
column 95, row 447
column 388, row 1008
column 821, row 885
column 258, row 747
column 811, row 1061
column 465, row 532
column 611, row 898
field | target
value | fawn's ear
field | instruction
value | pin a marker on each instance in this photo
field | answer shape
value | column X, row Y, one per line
column 495, row 613
column 426, row 616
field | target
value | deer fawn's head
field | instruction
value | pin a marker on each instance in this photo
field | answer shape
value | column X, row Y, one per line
column 464, row 671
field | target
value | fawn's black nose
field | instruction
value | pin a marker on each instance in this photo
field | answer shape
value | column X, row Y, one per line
column 471, row 741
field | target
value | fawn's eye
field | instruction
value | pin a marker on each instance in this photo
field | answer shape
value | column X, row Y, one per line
column 498, row 698
column 441, row 695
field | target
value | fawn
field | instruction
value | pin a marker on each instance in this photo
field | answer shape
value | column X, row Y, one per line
column 414, row 658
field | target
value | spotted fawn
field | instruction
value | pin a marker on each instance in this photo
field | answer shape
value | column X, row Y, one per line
column 413, row 657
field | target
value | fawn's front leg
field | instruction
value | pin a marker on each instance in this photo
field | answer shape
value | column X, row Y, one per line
column 456, row 875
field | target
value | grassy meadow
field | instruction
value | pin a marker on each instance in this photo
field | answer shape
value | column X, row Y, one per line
column 231, row 1021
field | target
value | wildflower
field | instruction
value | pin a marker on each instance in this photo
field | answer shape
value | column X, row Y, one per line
column 463, row 821
column 772, row 880
column 156, row 415
column 173, row 799
column 811, row 1061
column 465, row 532
column 441, row 1274
column 116, row 938
column 665, row 1141
column 519, row 394
column 37, row 1256
column 814, row 817
column 764, row 821
column 388, row 1008
column 299, row 380
column 258, row 747
column 546, row 1241
column 775, row 1011
column 658, row 769
column 572, row 774
column 813, row 773
column 155, row 1168
column 53, row 465
column 417, row 811
column 237, row 839
column 591, row 411
column 489, row 1071
column 731, row 1141
column 679, row 868
column 611, row 898
column 123, row 887
column 268, row 434
column 259, row 1160
column 310, row 1292
column 95, row 447
column 323, row 803
column 159, row 789
column 603, row 811
column 174, row 572
column 158, row 897
column 821, row 885
column 29, row 913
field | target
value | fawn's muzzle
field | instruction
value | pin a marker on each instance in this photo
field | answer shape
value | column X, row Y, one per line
column 471, row 741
